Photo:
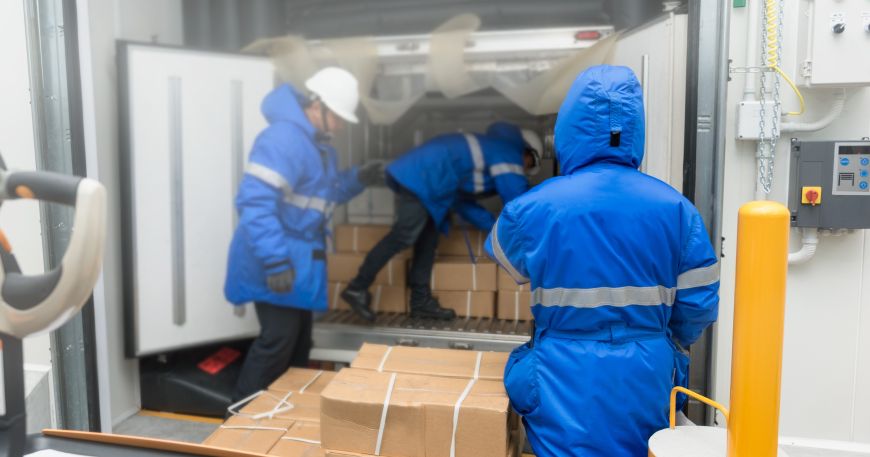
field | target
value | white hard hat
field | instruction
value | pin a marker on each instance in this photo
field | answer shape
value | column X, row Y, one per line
column 533, row 141
column 338, row 89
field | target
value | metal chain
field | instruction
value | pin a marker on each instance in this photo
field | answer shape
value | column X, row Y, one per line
column 761, row 152
column 766, row 151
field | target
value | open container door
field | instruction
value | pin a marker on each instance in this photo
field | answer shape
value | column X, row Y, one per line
column 190, row 119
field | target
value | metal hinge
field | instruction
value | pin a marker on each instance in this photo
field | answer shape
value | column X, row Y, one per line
column 807, row 69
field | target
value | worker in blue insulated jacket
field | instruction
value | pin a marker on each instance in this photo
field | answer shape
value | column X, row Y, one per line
column 622, row 275
column 291, row 185
column 449, row 172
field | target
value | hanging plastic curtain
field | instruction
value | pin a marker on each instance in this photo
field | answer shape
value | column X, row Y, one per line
column 447, row 71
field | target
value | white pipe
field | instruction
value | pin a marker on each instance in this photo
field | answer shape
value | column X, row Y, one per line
column 753, row 31
column 809, row 243
column 826, row 120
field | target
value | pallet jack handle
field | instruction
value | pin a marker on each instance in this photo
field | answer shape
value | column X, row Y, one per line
column 31, row 304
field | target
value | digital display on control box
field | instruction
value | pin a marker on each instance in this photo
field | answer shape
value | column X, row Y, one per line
column 854, row 149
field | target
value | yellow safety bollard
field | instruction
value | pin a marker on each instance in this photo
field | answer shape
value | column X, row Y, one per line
column 759, row 313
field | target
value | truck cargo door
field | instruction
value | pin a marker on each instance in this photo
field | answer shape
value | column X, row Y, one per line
column 189, row 119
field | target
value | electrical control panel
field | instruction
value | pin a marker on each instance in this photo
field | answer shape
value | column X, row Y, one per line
column 834, row 43
column 830, row 184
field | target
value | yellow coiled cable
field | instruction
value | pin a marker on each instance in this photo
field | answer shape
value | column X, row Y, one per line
column 771, row 26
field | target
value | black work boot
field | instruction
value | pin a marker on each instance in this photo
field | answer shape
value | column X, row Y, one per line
column 429, row 308
column 360, row 302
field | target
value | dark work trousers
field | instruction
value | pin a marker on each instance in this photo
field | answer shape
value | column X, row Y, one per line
column 413, row 227
column 284, row 341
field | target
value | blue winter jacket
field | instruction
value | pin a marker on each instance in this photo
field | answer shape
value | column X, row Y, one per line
column 285, row 200
column 621, row 271
column 452, row 171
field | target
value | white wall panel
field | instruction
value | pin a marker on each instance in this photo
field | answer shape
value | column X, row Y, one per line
column 826, row 360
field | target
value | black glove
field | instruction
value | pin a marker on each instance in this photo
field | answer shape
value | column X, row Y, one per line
column 371, row 174
column 282, row 282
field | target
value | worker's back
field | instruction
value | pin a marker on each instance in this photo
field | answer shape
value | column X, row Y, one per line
column 620, row 267
column 605, row 227
column 441, row 169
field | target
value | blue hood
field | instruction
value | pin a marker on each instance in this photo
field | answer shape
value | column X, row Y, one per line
column 283, row 105
column 506, row 132
column 603, row 101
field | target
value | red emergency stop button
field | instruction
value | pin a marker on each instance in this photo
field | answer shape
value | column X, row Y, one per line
column 811, row 196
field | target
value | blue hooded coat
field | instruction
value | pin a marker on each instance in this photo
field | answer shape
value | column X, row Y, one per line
column 622, row 274
column 285, row 200
column 452, row 171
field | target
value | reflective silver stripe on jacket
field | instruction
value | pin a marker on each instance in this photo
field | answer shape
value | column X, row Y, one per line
column 270, row 177
column 506, row 168
column 699, row 277
column 626, row 296
column 477, row 159
column 503, row 260
column 274, row 179
column 605, row 296
column 314, row 203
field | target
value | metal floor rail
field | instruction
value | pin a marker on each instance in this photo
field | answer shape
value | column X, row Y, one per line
column 339, row 334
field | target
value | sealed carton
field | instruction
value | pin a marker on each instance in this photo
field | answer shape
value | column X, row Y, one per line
column 246, row 434
column 385, row 299
column 468, row 303
column 505, row 282
column 302, row 380
column 400, row 415
column 515, row 305
column 359, row 237
column 287, row 406
column 461, row 274
column 459, row 240
column 512, row 452
column 343, row 267
column 301, row 440
column 451, row 363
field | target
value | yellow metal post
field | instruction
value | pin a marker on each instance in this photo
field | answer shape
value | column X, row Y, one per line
column 759, row 313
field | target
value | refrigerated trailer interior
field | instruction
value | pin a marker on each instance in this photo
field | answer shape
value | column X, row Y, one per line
column 188, row 119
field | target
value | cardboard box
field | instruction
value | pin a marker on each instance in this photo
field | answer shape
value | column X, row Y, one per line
column 246, row 434
column 419, row 415
column 505, row 282
column 460, row 274
column 512, row 452
column 451, row 363
column 359, row 238
column 468, row 303
column 301, row 440
column 302, row 380
column 385, row 299
column 304, row 407
column 455, row 243
column 514, row 305
column 343, row 267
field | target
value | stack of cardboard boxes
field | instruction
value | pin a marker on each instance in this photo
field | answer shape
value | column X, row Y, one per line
column 412, row 402
column 463, row 278
column 282, row 421
column 392, row 401
column 352, row 243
